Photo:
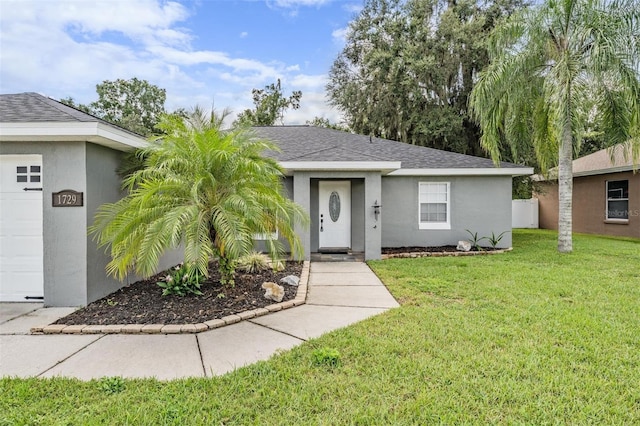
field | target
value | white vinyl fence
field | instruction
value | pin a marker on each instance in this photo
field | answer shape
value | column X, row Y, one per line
column 524, row 213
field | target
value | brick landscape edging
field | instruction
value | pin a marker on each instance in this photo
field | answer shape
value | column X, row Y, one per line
column 443, row 253
column 300, row 299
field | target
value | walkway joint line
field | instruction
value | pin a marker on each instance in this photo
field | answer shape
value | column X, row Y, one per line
column 204, row 371
column 70, row 355
column 278, row 331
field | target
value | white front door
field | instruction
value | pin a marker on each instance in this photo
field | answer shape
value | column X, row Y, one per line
column 334, row 199
column 21, row 246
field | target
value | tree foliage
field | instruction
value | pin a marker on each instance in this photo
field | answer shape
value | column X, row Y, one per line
column 134, row 104
column 209, row 190
column 270, row 105
column 326, row 123
column 558, row 71
column 408, row 67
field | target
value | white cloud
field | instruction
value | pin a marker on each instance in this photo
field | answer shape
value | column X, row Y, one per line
column 313, row 104
column 244, row 34
column 340, row 35
column 64, row 48
column 353, row 7
column 296, row 3
column 302, row 81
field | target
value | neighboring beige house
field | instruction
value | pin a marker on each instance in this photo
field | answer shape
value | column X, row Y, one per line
column 606, row 196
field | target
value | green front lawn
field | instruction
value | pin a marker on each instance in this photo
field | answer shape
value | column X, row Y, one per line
column 529, row 337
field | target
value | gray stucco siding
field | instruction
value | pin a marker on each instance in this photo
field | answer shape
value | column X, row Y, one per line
column 64, row 228
column 103, row 186
column 478, row 203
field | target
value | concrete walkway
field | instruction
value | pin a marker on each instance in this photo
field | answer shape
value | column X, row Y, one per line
column 340, row 294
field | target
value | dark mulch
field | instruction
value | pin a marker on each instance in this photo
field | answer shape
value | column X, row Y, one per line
column 397, row 250
column 142, row 302
column 438, row 249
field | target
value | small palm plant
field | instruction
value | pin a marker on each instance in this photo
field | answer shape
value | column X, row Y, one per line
column 202, row 188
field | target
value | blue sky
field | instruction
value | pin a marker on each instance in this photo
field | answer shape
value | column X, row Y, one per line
column 200, row 51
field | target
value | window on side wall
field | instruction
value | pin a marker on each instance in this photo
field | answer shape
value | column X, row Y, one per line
column 618, row 200
column 434, row 205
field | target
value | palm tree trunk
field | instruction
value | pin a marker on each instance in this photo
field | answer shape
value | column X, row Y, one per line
column 565, row 188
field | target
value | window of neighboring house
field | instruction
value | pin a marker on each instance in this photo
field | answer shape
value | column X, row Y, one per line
column 434, row 205
column 618, row 199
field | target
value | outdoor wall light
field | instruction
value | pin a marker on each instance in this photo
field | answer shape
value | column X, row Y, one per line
column 376, row 209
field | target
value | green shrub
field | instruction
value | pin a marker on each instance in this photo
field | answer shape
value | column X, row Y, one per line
column 494, row 239
column 253, row 262
column 475, row 240
column 277, row 265
column 182, row 280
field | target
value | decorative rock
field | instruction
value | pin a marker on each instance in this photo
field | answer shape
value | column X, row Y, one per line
column 273, row 291
column 463, row 246
column 291, row 280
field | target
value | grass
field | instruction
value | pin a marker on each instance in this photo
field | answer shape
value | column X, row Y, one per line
column 528, row 337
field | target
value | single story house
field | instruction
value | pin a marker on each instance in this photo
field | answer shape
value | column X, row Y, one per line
column 58, row 166
column 606, row 196
column 365, row 193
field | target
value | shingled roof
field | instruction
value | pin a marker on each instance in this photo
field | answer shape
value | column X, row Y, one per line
column 33, row 108
column 52, row 120
column 609, row 160
column 310, row 143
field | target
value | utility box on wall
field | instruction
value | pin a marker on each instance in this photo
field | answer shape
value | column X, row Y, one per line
column 524, row 213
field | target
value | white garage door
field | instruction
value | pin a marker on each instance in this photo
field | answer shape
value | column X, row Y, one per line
column 21, row 247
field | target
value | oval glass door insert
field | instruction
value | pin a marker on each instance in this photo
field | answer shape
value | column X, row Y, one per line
column 334, row 206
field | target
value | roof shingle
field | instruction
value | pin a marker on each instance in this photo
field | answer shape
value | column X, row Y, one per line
column 34, row 108
column 310, row 143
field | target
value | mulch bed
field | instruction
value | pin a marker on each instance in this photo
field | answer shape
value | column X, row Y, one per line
column 439, row 249
column 142, row 302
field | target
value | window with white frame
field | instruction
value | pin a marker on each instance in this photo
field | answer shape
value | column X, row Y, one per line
column 618, row 200
column 434, row 205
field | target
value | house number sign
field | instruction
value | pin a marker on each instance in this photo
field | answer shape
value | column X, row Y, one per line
column 67, row 198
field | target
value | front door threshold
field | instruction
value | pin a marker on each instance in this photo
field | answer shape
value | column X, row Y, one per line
column 334, row 250
column 338, row 257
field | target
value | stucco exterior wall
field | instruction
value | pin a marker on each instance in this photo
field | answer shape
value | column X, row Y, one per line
column 64, row 228
column 589, row 205
column 103, row 186
column 480, row 204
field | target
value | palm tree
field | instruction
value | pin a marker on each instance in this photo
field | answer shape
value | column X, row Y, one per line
column 201, row 188
column 548, row 63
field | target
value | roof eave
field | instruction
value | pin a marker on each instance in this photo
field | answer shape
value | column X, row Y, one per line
column 607, row 171
column 94, row 132
column 385, row 167
column 469, row 171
